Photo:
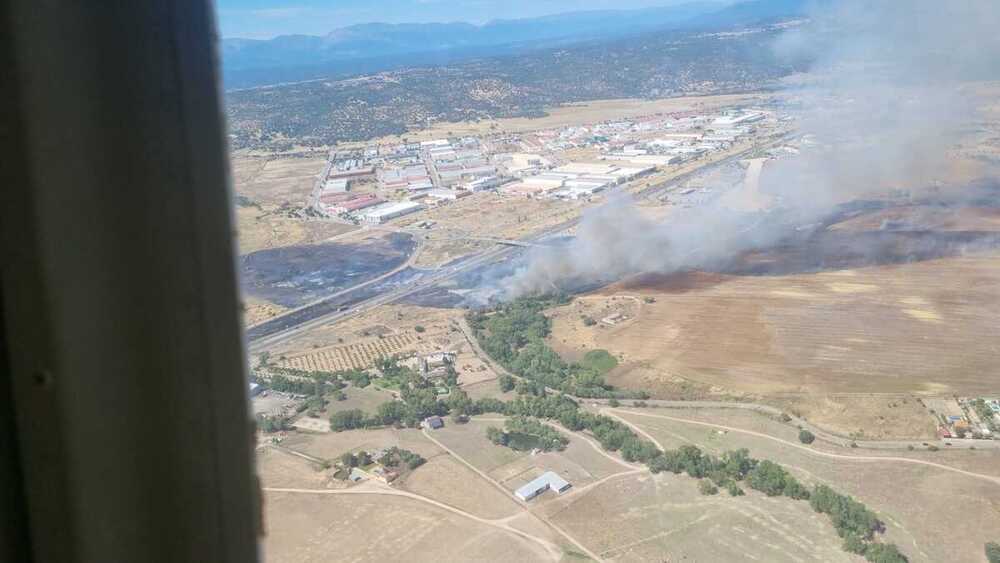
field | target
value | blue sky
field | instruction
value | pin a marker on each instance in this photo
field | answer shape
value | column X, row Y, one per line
column 267, row 18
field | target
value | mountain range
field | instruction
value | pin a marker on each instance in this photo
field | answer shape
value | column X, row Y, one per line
column 375, row 47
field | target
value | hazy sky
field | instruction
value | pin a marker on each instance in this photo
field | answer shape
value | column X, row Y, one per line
column 267, row 18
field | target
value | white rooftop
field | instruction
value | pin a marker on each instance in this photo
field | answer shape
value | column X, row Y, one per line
column 547, row 480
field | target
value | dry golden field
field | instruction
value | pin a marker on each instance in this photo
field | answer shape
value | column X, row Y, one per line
column 913, row 499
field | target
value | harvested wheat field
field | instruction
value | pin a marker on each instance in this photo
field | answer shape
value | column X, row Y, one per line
column 925, row 327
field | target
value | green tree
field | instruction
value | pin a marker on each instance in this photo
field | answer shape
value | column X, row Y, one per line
column 854, row 544
column 347, row 420
column 497, row 436
column 993, row 552
column 506, row 383
column 884, row 553
column 349, row 460
column 806, row 437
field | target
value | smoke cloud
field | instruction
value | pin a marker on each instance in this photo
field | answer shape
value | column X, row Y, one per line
column 886, row 98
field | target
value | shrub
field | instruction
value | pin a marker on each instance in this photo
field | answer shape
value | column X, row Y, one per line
column 884, row 553
column 506, row 383
column 992, row 552
column 706, row 487
column 806, row 437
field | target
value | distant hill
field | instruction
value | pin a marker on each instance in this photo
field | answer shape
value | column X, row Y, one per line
column 654, row 65
column 374, row 47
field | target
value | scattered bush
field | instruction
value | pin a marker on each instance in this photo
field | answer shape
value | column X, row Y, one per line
column 706, row 487
column 992, row 552
column 734, row 489
column 806, row 437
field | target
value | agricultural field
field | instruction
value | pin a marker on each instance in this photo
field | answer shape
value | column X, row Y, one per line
column 445, row 479
column 799, row 333
column 581, row 463
column 304, row 527
column 912, row 498
column 267, row 189
column 805, row 334
column 366, row 399
column 643, row 517
column 281, row 469
column 360, row 340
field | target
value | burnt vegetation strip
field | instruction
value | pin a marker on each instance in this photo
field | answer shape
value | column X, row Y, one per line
column 294, row 275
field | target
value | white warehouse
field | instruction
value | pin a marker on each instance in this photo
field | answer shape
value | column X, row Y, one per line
column 542, row 483
column 382, row 213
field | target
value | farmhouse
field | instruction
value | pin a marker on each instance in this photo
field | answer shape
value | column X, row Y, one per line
column 544, row 482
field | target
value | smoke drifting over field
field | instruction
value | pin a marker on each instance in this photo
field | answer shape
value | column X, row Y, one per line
column 884, row 103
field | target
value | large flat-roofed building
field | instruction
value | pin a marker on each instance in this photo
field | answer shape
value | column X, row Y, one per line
column 542, row 483
column 388, row 211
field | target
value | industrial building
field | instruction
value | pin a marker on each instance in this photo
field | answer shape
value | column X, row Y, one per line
column 481, row 184
column 389, row 211
column 354, row 204
column 542, row 483
column 449, row 195
column 336, row 186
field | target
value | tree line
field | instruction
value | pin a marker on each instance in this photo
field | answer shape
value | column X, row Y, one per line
column 514, row 333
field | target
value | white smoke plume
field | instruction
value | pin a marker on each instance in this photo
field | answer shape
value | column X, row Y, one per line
column 886, row 98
